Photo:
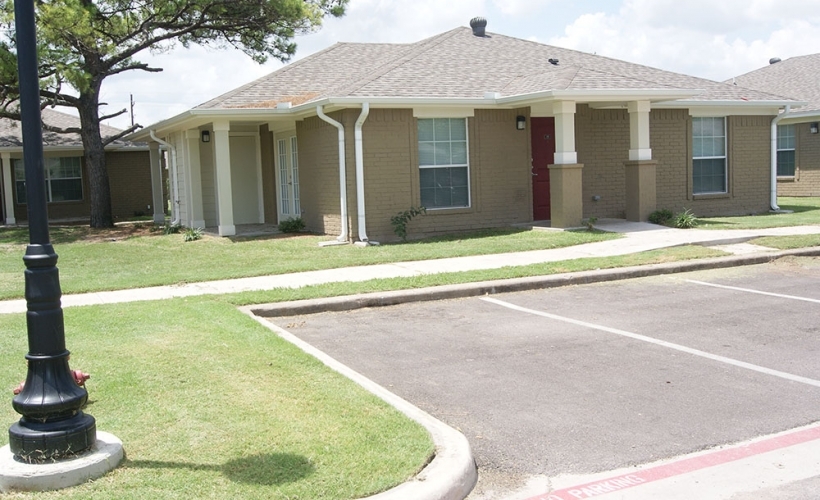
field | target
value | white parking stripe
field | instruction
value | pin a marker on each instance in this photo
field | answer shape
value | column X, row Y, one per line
column 663, row 343
column 749, row 290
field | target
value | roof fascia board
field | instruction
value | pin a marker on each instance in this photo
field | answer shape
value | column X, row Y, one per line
column 801, row 117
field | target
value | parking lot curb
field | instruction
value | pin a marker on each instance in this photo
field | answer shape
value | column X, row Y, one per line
column 451, row 474
column 381, row 299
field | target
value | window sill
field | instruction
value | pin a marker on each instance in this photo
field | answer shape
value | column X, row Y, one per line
column 710, row 196
column 450, row 211
column 786, row 178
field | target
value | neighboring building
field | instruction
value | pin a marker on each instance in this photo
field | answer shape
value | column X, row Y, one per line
column 798, row 140
column 484, row 130
column 67, row 184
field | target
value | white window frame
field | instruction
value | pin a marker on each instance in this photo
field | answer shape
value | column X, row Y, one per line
column 453, row 165
column 724, row 157
column 782, row 136
column 48, row 179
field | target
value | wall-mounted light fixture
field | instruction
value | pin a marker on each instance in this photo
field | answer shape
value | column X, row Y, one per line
column 814, row 128
column 206, row 136
column 520, row 122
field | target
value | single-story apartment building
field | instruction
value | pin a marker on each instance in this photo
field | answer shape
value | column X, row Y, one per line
column 798, row 136
column 481, row 129
column 67, row 185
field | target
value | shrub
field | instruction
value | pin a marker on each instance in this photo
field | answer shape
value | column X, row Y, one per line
column 192, row 234
column 662, row 217
column 400, row 220
column 685, row 220
column 171, row 229
column 292, row 225
column 590, row 223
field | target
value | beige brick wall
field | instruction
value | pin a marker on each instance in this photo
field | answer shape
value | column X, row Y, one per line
column 748, row 165
column 499, row 174
column 129, row 179
column 806, row 181
column 602, row 143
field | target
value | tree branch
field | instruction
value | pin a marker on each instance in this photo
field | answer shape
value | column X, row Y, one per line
column 108, row 140
column 113, row 115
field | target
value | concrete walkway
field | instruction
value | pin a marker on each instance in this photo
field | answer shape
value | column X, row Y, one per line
column 639, row 237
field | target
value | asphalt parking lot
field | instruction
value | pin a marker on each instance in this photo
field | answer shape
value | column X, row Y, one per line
column 584, row 379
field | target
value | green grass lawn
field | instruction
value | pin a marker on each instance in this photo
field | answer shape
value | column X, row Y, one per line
column 806, row 211
column 89, row 262
column 211, row 405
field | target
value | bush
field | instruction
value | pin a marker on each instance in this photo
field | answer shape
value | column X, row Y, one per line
column 400, row 220
column 590, row 223
column 171, row 229
column 685, row 220
column 192, row 234
column 661, row 217
column 292, row 225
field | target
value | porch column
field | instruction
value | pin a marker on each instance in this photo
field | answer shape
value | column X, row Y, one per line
column 156, row 183
column 224, row 195
column 8, row 189
column 566, row 186
column 640, row 169
column 194, row 180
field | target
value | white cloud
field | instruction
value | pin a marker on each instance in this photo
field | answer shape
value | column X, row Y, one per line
column 707, row 38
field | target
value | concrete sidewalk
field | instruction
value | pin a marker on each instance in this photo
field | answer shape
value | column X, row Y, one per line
column 639, row 237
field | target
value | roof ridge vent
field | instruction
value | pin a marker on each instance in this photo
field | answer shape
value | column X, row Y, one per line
column 478, row 24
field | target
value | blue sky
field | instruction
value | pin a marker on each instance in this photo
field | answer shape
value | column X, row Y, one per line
column 715, row 39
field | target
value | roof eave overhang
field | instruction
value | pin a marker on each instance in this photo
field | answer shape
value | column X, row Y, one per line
column 602, row 95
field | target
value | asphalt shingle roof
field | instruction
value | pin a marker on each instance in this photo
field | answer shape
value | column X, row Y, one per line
column 11, row 133
column 796, row 77
column 458, row 64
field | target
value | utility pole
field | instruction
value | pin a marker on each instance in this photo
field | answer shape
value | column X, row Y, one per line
column 132, row 109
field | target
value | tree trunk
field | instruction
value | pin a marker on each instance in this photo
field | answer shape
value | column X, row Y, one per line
column 100, row 195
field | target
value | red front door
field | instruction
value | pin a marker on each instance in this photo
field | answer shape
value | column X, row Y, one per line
column 543, row 154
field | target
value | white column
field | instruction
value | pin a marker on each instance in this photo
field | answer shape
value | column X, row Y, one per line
column 639, row 148
column 8, row 188
column 156, row 183
column 565, row 153
column 194, row 184
column 224, row 195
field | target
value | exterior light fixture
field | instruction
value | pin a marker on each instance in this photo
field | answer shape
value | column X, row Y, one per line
column 814, row 127
column 206, row 136
column 520, row 122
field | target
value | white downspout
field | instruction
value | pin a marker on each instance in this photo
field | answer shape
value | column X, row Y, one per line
column 174, row 177
column 775, row 121
column 360, row 172
column 342, row 172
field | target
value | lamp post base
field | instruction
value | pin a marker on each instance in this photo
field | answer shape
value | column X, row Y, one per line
column 103, row 457
column 37, row 441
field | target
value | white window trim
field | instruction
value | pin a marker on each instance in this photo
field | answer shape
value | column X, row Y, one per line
column 469, row 172
column 725, row 159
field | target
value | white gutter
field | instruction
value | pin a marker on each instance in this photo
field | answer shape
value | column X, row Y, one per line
column 342, row 174
column 174, row 176
column 775, row 121
column 360, row 171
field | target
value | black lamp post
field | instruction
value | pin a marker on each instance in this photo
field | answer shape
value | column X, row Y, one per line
column 52, row 424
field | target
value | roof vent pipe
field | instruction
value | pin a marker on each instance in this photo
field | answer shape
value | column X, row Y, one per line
column 478, row 24
column 774, row 60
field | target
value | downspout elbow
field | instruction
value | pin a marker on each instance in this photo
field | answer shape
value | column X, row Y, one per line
column 773, row 193
column 342, row 172
column 360, row 172
column 170, row 147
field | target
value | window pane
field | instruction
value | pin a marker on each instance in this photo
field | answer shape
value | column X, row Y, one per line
column 444, row 187
column 442, row 129
column 427, row 178
column 19, row 169
column 459, row 153
column 427, row 153
column 443, row 153
column 426, row 128
column 458, row 129
column 66, row 190
column 709, row 176
column 428, row 197
column 785, row 163
column 785, row 137
column 458, row 177
column 21, row 192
